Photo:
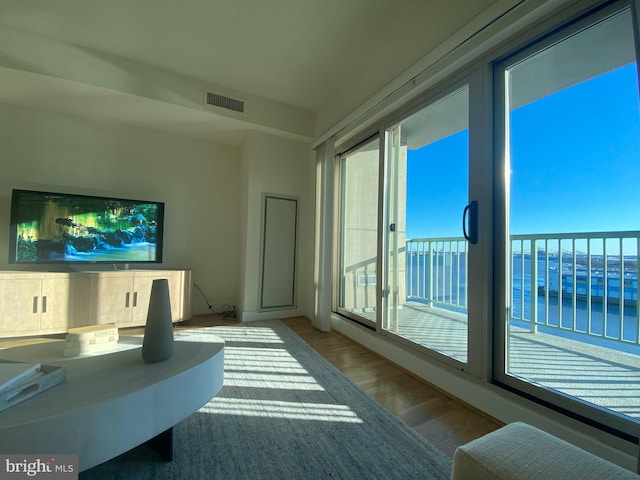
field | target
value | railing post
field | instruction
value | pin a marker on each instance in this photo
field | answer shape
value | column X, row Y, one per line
column 431, row 262
column 533, row 295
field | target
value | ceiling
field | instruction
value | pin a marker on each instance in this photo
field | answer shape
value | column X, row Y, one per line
column 301, row 53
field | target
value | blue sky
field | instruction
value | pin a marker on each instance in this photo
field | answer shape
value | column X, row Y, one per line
column 575, row 165
column 437, row 187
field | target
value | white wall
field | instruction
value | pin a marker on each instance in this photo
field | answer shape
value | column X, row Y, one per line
column 209, row 189
column 199, row 182
column 284, row 167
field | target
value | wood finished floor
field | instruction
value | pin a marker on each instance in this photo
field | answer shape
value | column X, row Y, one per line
column 444, row 421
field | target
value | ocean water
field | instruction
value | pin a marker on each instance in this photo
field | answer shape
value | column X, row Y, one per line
column 586, row 321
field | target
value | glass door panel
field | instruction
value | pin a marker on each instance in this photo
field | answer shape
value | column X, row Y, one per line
column 426, row 254
column 357, row 297
column 573, row 136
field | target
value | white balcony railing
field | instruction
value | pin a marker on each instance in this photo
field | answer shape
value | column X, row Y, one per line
column 582, row 284
column 437, row 271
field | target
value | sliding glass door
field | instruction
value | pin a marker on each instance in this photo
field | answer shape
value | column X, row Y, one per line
column 358, row 258
column 427, row 166
column 572, row 137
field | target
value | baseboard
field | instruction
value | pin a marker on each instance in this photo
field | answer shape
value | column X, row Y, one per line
column 254, row 315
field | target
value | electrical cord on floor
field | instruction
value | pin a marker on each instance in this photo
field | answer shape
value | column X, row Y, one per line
column 226, row 311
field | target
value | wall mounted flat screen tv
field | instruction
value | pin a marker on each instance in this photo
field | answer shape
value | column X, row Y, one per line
column 51, row 227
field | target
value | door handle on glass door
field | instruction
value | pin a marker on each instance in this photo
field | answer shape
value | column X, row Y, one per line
column 472, row 235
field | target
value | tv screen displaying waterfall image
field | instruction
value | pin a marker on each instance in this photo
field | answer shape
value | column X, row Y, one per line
column 51, row 227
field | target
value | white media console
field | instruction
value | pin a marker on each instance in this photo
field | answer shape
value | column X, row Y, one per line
column 41, row 303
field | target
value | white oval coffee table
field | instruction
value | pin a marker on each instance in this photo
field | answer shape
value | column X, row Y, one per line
column 111, row 402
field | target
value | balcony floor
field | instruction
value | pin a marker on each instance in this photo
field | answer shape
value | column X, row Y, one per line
column 599, row 375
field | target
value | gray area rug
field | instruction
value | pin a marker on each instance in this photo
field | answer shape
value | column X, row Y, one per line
column 284, row 412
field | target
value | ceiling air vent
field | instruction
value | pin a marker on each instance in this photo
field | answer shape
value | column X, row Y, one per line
column 225, row 102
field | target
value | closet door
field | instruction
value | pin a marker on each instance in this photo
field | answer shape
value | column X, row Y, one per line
column 279, row 230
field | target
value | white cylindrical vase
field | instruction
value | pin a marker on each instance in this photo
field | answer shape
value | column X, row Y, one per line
column 157, row 344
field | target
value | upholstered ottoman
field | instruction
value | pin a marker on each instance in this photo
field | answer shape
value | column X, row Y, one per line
column 521, row 452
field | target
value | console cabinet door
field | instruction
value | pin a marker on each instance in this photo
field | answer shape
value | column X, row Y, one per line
column 21, row 304
column 65, row 303
column 142, row 292
column 175, row 279
column 112, row 298
column 142, row 288
column 183, row 300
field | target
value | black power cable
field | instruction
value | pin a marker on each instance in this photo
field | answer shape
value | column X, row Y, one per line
column 227, row 311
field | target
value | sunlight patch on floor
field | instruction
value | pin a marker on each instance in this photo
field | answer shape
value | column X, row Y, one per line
column 255, row 361
column 281, row 409
column 276, row 381
column 259, row 335
column 262, row 360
